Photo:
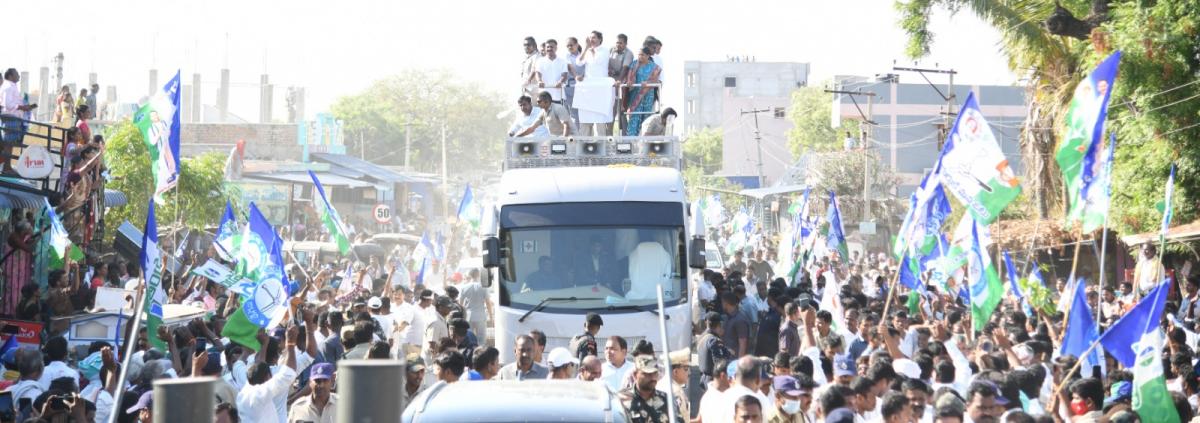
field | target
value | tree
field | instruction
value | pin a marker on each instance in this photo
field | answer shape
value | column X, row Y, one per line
column 196, row 202
column 426, row 101
column 703, row 149
column 810, row 113
column 842, row 172
column 1153, row 106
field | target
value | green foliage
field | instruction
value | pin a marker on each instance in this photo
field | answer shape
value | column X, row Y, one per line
column 1039, row 295
column 1160, row 53
column 810, row 113
column 1151, row 107
column 197, row 201
column 426, row 100
column 703, row 150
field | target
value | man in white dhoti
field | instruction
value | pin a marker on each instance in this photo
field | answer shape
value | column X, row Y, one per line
column 594, row 90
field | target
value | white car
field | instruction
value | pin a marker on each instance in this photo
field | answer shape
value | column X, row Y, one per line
column 713, row 259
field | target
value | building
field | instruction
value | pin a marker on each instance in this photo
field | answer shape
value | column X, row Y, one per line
column 911, row 119
column 721, row 95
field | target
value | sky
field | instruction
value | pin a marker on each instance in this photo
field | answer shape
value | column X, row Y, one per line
column 339, row 48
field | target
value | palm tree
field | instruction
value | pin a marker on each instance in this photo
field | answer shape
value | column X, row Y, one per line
column 1042, row 41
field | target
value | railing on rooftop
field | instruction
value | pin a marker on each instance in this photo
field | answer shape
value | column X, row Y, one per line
column 21, row 134
column 572, row 151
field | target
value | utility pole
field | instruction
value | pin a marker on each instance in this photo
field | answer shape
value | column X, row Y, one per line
column 948, row 96
column 407, row 144
column 762, row 180
column 445, row 179
column 867, row 122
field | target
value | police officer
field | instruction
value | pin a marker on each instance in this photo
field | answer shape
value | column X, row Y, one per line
column 584, row 344
column 645, row 403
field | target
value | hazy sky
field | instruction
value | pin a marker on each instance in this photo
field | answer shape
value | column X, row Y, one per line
column 338, row 48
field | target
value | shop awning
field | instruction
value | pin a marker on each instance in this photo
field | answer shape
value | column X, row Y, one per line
column 17, row 199
column 327, row 179
column 371, row 170
column 114, row 198
column 761, row 193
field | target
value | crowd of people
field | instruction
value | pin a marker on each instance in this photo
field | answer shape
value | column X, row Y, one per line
column 591, row 89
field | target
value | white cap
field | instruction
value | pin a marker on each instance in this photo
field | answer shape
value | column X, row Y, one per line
column 374, row 302
column 559, row 357
column 907, row 367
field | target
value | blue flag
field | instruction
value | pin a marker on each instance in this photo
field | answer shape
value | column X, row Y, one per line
column 1120, row 338
column 1081, row 330
column 909, row 276
column 151, row 259
column 11, row 343
column 261, row 247
column 1012, row 276
column 227, row 234
column 836, row 238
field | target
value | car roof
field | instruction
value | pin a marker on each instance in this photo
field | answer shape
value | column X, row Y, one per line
column 515, row 401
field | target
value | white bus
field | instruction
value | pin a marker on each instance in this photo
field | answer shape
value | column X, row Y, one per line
column 592, row 225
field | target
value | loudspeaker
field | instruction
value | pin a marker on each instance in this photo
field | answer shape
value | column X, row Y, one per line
column 128, row 241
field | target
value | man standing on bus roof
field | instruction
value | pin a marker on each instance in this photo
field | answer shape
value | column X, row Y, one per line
column 645, row 403
column 584, row 344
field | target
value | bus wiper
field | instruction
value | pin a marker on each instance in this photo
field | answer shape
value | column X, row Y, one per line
column 635, row 307
column 546, row 300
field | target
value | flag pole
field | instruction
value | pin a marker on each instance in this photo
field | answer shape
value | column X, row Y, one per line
column 893, row 284
column 1103, row 259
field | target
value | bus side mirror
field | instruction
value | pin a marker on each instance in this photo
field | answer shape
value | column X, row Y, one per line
column 491, row 252
column 696, row 258
column 486, row 278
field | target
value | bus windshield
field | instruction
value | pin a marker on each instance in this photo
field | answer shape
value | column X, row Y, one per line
column 602, row 266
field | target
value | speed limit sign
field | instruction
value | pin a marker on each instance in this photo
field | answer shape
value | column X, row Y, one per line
column 383, row 213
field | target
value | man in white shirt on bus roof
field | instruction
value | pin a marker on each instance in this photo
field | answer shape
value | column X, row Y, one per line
column 528, row 118
column 551, row 71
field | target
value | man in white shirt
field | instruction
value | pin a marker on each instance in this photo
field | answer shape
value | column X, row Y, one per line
column 595, row 88
column 382, row 316
column 529, row 67
column 29, row 363
column 551, row 71
column 56, row 351
column 714, row 398
column 747, row 380
column 405, row 317
column 616, row 368
column 437, row 328
column 11, row 102
column 528, row 118
column 257, row 400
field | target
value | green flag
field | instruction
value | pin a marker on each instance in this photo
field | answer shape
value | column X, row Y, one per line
column 329, row 217
column 1151, row 400
column 983, row 283
column 240, row 329
column 1079, row 154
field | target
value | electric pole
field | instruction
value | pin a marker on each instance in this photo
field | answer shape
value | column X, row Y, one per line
column 407, row 144
column 762, row 180
column 862, row 128
column 948, row 96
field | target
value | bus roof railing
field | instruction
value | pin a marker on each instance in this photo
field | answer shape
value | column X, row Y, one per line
column 573, row 151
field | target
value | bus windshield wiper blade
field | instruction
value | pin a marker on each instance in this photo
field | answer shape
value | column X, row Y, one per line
column 634, row 307
column 546, row 300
